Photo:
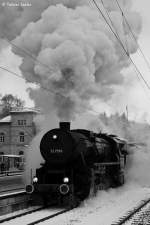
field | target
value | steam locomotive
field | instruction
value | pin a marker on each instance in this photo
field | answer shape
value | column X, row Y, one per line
column 77, row 163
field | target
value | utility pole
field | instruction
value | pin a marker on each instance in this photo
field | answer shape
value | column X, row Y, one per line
column 127, row 112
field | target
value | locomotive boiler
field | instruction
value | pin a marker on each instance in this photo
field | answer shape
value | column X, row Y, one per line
column 78, row 162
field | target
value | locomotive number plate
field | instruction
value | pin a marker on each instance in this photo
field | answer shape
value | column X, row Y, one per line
column 57, row 150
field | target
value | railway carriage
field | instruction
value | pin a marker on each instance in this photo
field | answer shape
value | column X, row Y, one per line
column 11, row 162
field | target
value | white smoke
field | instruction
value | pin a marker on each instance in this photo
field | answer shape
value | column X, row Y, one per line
column 80, row 59
column 13, row 19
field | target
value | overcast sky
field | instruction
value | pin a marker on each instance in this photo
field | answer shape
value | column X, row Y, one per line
column 137, row 98
column 10, row 83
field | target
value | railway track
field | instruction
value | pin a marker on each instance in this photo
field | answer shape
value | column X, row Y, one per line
column 140, row 215
column 27, row 215
column 33, row 216
column 12, row 190
column 12, row 201
column 49, row 216
column 9, row 218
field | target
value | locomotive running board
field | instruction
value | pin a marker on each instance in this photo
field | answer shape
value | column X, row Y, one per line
column 106, row 164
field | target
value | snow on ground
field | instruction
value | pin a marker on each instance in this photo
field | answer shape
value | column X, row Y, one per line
column 31, row 217
column 105, row 208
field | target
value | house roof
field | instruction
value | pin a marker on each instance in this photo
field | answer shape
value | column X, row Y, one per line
column 6, row 119
column 25, row 110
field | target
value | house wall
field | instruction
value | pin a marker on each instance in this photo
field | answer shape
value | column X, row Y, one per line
column 5, row 146
column 12, row 129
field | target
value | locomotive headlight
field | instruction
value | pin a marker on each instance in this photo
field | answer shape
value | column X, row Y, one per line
column 66, row 180
column 35, row 179
column 54, row 136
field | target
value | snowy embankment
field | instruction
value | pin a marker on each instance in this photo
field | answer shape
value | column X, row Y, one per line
column 105, row 208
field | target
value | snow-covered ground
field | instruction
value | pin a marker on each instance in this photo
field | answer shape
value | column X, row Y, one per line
column 105, row 208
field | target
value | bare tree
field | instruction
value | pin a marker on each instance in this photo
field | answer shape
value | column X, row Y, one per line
column 10, row 102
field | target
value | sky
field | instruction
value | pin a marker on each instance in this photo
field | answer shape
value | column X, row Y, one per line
column 10, row 83
column 135, row 98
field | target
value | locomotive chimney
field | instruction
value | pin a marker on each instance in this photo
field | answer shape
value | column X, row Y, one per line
column 65, row 126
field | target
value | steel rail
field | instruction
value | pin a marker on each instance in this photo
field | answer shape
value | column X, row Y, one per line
column 50, row 216
column 131, row 213
column 21, row 214
column 11, row 191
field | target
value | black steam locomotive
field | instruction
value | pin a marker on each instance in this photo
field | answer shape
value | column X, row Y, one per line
column 78, row 162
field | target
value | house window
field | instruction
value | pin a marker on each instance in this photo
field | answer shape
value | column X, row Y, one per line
column 2, row 137
column 21, row 134
column 21, row 122
column 21, row 153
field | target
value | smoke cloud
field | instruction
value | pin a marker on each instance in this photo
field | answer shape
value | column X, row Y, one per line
column 80, row 59
column 14, row 17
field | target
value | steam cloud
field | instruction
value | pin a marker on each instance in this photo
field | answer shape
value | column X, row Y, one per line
column 80, row 58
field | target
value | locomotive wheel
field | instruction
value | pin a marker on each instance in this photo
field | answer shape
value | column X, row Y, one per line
column 82, row 183
column 120, row 179
column 45, row 202
column 83, row 191
column 74, row 201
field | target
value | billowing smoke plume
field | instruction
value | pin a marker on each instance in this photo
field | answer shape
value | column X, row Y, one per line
column 77, row 56
column 14, row 17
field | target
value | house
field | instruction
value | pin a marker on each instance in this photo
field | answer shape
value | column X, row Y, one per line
column 17, row 131
column 1, row 107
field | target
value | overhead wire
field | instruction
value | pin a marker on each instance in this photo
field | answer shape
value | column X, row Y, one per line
column 26, row 79
column 20, row 76
column 46, row 89
column 133, row 35
column 139, row 75
column 134, row 38
column 33, row 57
column 113, row 28
column 126, row 51
column 28, row 53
